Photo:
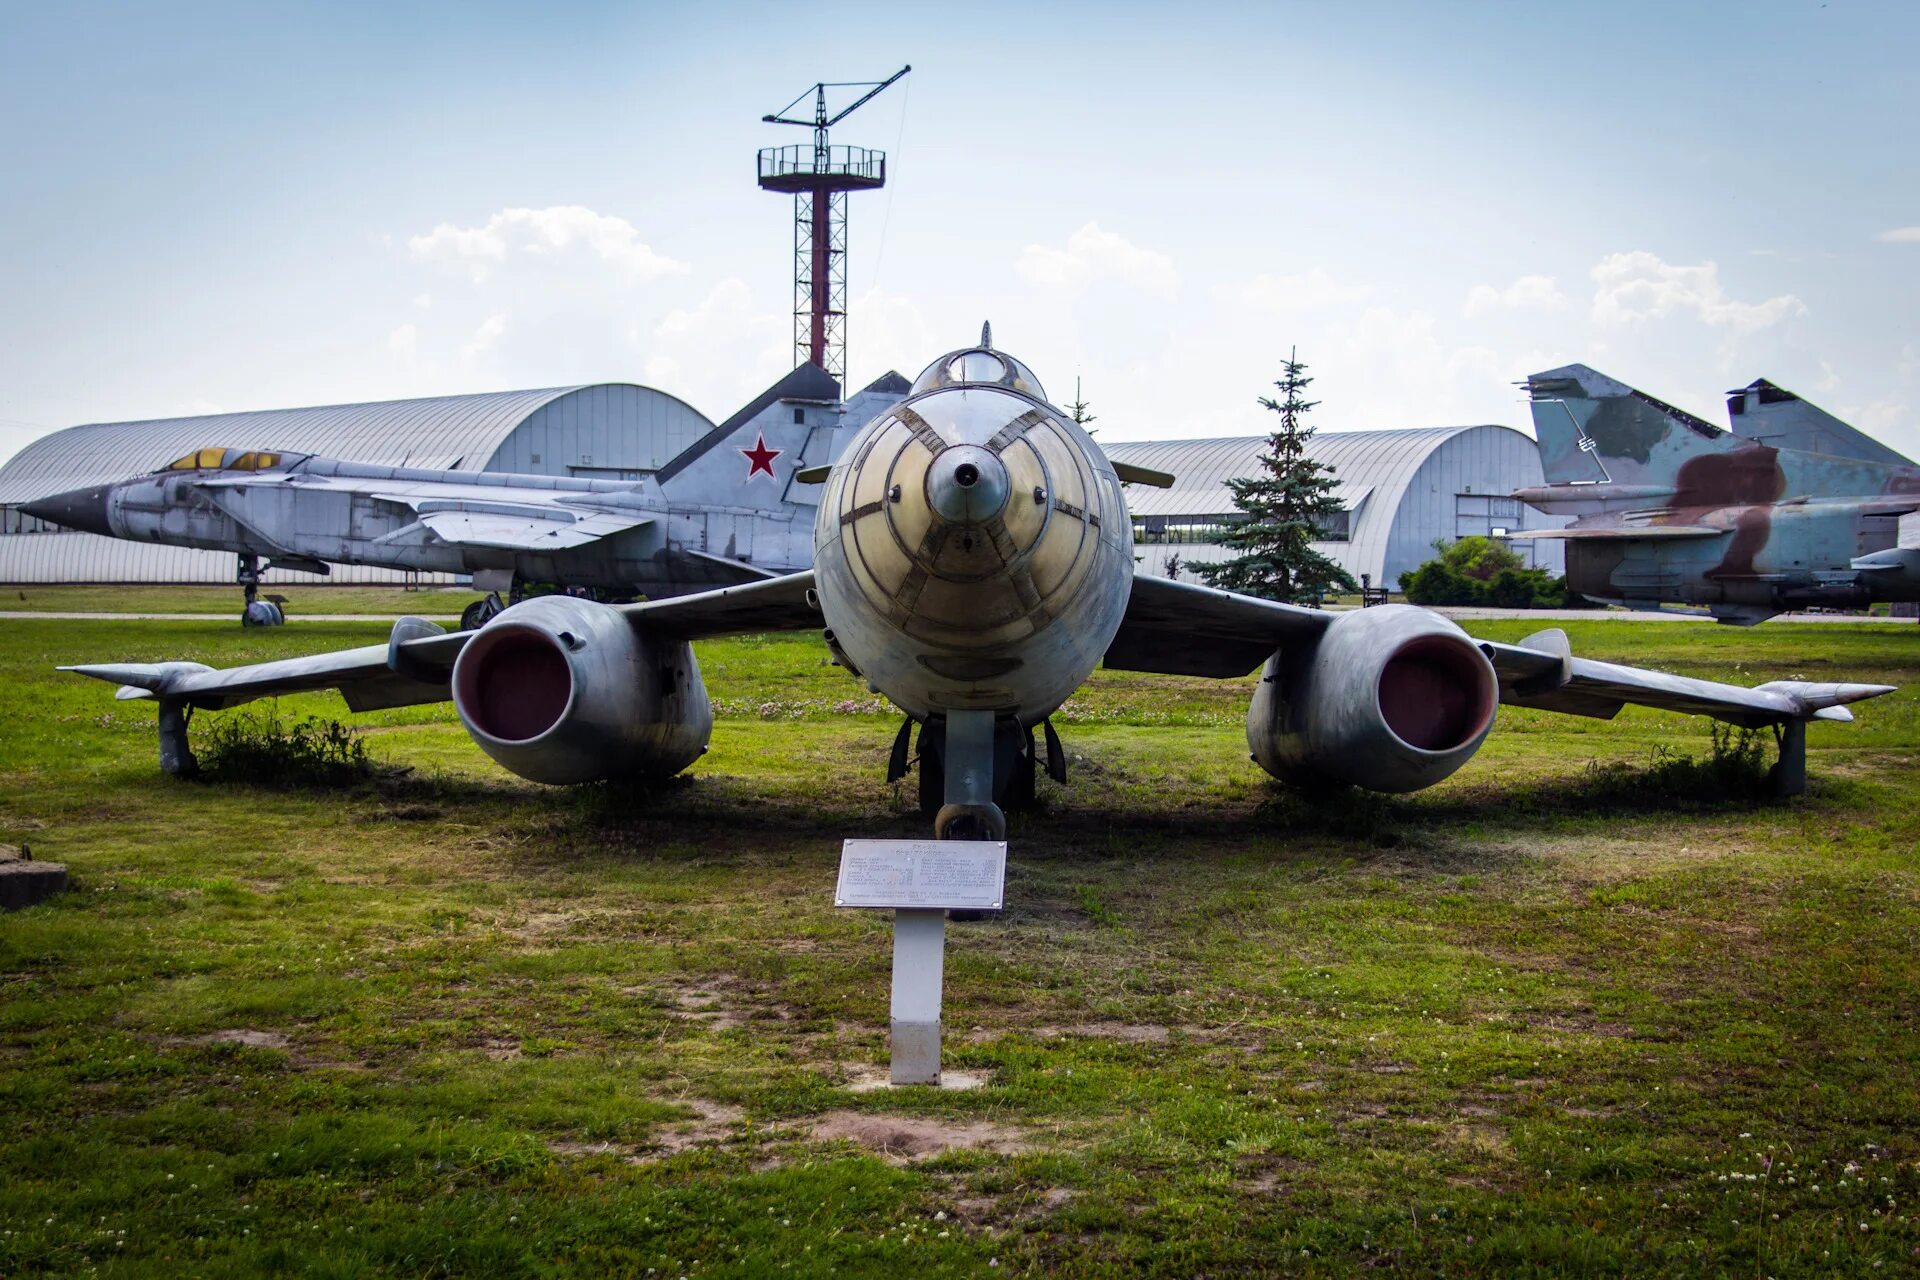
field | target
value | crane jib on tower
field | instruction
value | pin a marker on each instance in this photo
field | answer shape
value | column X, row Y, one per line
column 819, row 177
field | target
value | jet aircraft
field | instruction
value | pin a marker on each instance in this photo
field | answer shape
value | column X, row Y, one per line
column 973, row 562
column 718, row 514
column 1792, row 509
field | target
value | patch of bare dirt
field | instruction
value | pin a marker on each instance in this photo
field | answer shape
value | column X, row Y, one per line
column 241, row 1036
column 908, row 1138
column 711, row 1124
column 1022, row 1205
column 500, row 1050
column 1272, row 1176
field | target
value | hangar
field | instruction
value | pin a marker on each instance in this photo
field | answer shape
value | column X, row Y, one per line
column 608, row 430
column 1403, row 489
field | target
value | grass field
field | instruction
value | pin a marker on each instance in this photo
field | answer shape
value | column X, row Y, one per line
column 1560, row 1015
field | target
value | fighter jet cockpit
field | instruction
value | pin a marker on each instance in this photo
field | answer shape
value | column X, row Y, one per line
column 215, row 458
column 978, row 365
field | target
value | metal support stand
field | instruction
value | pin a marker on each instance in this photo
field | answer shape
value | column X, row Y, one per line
column 176, row 757
column 1790, row 774
column 920, row 937
column 919, row 971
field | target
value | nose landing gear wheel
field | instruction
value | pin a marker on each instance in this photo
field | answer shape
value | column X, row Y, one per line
column 481, row 612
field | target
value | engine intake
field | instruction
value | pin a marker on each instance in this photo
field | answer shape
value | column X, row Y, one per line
column 1390, row 698
column 563, row 690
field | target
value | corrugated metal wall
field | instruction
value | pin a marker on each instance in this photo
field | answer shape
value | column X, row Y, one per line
column 1475, row 460
column 602, row 432
column 1404, row 485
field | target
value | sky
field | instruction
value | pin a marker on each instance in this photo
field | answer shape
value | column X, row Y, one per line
column 211, row 207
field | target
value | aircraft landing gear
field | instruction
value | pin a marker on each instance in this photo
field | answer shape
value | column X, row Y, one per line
column 1014, row 769
column 481, row 612
column 256, row 612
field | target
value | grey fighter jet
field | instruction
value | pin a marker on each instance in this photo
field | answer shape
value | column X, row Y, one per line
column 1792, row 508
column 972, row 561
column 721, row 513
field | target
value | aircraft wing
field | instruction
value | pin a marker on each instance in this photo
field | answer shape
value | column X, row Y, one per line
column 1542, row 672
column 517, row 528
column 777, row 604
column 1184, row 629
column 416, row 664
column 413, row 667
column 1633, row 531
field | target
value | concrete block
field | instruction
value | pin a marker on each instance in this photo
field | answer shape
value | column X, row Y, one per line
column 24, row 883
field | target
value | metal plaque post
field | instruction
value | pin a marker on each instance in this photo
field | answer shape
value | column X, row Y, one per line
column 921, row 880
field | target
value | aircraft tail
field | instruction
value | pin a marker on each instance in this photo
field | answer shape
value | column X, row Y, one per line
column 1769, row 414
column 1595, row 430
column 749, row 460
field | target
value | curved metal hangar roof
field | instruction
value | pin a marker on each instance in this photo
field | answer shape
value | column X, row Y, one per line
column 1402, row 489
column 600, row 429
column 607, row 430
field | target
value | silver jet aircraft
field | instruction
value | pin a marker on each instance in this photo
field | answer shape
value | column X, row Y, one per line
column 973, row 562
column 717, row 515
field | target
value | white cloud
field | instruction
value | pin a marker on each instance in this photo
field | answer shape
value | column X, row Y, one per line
column 485, row 338
column 1630, row 288
column 1900, row 235
column 404, row 340
column 1308, row 291
column 1527, row 291
column 718, row 351
column 539, row 234
column 1093, row 253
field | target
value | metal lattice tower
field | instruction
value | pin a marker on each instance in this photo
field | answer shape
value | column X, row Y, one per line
column 819, row 176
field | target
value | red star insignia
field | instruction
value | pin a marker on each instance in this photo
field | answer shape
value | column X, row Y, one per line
column 760, row 458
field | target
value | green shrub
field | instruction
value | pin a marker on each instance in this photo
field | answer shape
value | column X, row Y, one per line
column 268, row 751
column 1484, row 572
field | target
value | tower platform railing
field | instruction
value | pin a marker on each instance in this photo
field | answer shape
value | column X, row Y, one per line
column 802, row 168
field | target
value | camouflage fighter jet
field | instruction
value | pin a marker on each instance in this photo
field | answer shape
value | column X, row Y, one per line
column 1792, row 509
column 723, row 512
column 973, row 562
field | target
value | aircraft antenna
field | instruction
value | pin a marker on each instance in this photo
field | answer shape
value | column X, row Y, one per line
column 819, row 177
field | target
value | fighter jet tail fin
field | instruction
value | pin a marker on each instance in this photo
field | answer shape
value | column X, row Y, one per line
column 749, row 460
column 1594, row 430
column 1770, row 414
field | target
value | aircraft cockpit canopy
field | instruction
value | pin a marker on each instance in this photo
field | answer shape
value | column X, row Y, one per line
column 218, row 459
column 976, row 365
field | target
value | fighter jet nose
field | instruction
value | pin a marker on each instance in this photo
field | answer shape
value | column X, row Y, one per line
column 82, row 509
column 967, row 484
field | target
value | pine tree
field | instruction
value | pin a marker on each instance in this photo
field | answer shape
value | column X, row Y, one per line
column 1078, row 410
column 1282, row 506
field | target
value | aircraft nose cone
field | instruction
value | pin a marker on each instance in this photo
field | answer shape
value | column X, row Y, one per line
column 82, row 509
column 967, row 484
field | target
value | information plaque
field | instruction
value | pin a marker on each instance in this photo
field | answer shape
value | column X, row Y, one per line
column 922, row 874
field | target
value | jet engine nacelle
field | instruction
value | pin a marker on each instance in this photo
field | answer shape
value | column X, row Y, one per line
column 1391, row 698
column 563, row 690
